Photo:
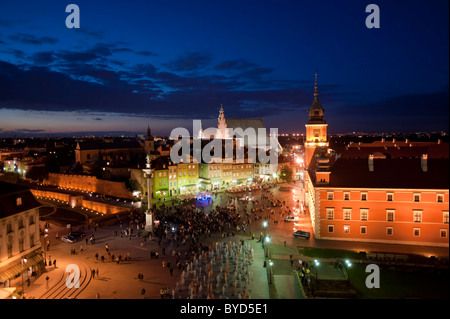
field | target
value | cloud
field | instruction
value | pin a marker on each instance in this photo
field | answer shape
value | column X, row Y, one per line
column 189, row 62
column 97, row 119
column 238, row 64
column 32, row 39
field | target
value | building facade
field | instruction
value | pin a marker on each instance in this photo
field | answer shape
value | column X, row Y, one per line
column 20, row 245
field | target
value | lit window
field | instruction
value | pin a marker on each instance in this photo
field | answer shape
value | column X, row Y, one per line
column 390, row 215
column 330, row 213
column 443, row 233
column 347, row 214
column 417, row 216
column 445, row 217
column 19, row 201
column 347, row 229
column 364, row 214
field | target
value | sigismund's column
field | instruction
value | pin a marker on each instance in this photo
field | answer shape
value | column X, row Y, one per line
column 148, row 212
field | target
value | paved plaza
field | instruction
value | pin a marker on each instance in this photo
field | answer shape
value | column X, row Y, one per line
column 233, row 264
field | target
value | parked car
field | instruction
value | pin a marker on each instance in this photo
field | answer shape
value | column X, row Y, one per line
column 68, row 239
column 301, row 234
column 77, row 234
column 291, row 219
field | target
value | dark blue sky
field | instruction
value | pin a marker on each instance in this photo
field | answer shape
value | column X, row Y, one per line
column 168, row 62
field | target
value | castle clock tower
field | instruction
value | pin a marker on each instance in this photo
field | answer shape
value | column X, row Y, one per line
column 316, row 128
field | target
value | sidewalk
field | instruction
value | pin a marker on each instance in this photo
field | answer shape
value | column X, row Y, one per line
column 260, row 285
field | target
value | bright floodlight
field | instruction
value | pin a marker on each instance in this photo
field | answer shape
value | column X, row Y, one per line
column 271, row 263
column 267, row 239
column 265, row 224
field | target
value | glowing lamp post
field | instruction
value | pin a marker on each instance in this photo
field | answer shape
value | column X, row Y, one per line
column 265, row 224
column 267, row 240
column 24, row 260
column 270, row 271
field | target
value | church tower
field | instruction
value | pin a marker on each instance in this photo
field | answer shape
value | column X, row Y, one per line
column 149, row 144
column 222, row 124
column 316, row 128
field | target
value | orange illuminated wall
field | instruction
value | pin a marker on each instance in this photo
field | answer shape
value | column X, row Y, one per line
column 400, row 216
column 316, row 136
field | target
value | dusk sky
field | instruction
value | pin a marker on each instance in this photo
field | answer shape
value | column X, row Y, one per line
column 165, row 63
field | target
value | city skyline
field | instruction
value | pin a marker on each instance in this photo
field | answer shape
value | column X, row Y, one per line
column 130, row 66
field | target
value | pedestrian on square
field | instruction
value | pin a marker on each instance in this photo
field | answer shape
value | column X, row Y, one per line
column 96, row 256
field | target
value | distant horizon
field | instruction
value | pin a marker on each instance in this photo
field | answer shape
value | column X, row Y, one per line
column 134, row 134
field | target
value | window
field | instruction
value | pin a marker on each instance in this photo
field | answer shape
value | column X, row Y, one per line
column 443, row 233
column 364, row 214
column 390, row 215
column 31, row 220
column 19, row 201
column 331, row 228
column 10, row 250
column 440, row 198
column 389, row 230
column 346, row 195
column 346, row 229
column 330, row 195
column 416, row 232
column 31, row 240
column 21, row 244
column 347, row 213
column 9, row 228
column 390, row 197
column 330, row 213
column 20, row 223
column 160, row 174
column 445, row 217
column 417, row 216
column 364, row 196
column 417, row 197
column 363, row 229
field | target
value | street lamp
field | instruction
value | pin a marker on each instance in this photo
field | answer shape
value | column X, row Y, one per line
column 267, row 240
column 265, row 223
column 317, row 265
column 23, row 260
column 270, row 271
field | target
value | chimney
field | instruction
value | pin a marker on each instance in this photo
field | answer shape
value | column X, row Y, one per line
column 439, row 141
column 406, row 141
column 371, row 163
column 424, row 162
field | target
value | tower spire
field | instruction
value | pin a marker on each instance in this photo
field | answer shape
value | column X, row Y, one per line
column 316, row 94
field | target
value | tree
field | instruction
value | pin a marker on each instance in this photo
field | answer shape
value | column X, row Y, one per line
column 286, row 174
column 37, row 173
